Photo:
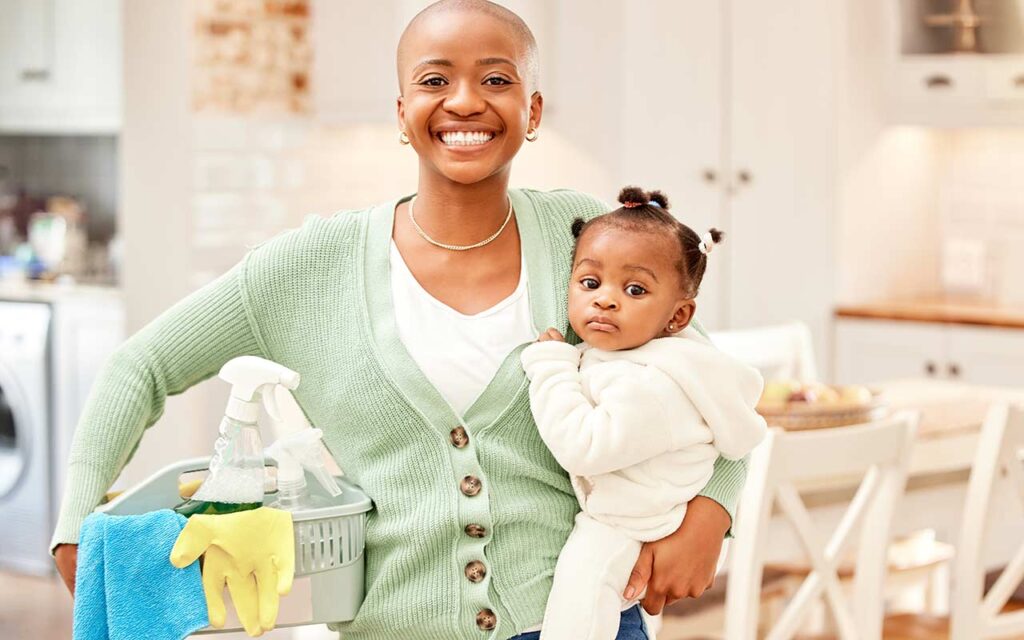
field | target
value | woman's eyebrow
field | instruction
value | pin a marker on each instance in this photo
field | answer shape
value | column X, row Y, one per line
column 486, row 61
column 434, row 62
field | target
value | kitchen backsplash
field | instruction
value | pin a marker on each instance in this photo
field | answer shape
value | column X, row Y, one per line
column 981, row 211
column 83, row 167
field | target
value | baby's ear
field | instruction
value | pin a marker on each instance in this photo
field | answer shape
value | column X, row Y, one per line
column 682, row 316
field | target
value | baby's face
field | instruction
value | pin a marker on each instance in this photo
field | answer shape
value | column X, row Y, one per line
column 625, row 289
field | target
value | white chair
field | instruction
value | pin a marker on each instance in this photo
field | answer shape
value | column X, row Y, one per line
column 778, row 352
column 880, row 452
column 975, row 615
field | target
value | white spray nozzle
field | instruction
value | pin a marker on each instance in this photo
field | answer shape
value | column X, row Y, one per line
column 298, row 451
column 251, row 375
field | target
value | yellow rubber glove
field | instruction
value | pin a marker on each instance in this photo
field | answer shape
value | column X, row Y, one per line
column 252, row 552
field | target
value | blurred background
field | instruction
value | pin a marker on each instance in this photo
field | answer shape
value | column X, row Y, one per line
column 866, row 158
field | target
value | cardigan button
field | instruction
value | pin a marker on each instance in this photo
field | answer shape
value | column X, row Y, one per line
column 475, row 531
column 486, row 620
column 470, row 486
column 459, row 437
column 476, row 571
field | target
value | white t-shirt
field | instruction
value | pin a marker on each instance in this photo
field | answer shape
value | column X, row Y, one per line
column 458, row 353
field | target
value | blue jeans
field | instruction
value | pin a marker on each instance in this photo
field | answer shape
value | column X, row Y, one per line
column 631, row 627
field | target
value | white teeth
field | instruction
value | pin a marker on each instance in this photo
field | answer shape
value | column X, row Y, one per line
column 465, row 138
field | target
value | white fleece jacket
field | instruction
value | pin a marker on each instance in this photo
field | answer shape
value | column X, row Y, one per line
column 639, row 430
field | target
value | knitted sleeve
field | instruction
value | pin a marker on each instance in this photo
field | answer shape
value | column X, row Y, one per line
column 182, row 347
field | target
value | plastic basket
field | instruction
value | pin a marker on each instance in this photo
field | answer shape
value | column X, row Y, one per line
column 329, row 545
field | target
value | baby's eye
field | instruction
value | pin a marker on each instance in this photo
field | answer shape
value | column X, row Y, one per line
column 635, row 290
column 590, row 283
column 433, row 81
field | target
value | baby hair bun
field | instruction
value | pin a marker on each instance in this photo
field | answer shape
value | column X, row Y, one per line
column 716, row 235
column 577, row 226
column 633, row 195
column 660, row 198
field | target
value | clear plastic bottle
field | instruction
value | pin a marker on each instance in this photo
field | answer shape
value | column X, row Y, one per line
column 237, row 477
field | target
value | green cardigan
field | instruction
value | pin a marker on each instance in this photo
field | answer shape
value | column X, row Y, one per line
column 317, row 299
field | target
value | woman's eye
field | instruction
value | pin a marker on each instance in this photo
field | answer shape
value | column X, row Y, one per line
column 496, row 81
column 590, row 283
column 433, row 81
column 635, row 290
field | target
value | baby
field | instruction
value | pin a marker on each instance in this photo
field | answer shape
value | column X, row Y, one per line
column 638, row 414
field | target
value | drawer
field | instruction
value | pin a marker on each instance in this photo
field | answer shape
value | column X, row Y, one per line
column 1004, row 80
column 939, row 81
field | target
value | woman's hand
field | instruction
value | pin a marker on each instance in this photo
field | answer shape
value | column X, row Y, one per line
column 66, row 558
column 683, row 564
column 551, row 334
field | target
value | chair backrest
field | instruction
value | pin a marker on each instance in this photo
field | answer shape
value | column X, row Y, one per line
column 879, row 452
column 778, row 352
column 997, row 465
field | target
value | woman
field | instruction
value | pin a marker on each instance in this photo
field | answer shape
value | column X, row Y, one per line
column 406, row 321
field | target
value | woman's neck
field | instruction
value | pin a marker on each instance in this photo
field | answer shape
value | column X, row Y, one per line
column 459, row 213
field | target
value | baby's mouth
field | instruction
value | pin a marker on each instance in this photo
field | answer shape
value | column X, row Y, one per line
column 601, row 324
column 465, row 138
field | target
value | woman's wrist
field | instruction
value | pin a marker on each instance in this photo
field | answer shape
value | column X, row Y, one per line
column 708, row 513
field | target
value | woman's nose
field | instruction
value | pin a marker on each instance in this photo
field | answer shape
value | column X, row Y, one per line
column 464, row 100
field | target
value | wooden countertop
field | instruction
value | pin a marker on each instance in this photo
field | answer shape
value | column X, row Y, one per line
column 938, row 310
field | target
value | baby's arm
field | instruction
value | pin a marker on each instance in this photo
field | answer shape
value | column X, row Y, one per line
column 628, row 424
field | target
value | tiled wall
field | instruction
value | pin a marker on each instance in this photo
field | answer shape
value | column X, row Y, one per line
column 981, row 200
column 84, row 167
column 253, row 178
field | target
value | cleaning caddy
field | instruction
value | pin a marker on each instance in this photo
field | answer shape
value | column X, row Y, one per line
column 328, row 514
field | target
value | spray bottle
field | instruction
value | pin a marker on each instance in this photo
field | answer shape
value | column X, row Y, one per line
column 297, row 453
column 236, row 477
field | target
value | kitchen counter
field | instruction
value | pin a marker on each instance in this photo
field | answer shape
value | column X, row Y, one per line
column 53, row 292
column 938, row 310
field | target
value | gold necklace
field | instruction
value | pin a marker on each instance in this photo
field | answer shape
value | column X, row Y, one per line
column 456, row 247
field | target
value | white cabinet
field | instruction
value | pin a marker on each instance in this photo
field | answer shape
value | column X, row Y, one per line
column 928, row 87
column 60, row 66
column 872, row 350
column 736, row 122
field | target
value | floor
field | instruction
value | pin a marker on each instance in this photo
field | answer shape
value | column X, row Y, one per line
column 40, row 609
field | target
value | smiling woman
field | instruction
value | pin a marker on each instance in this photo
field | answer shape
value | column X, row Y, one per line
column 406, row 321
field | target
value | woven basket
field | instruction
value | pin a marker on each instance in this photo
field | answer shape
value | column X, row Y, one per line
column 798, row 416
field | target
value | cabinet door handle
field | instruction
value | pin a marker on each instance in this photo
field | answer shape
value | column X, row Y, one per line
column 710, row 175
column 954, row 370
column 938, row 81
column 35, row 75
column 930, row 368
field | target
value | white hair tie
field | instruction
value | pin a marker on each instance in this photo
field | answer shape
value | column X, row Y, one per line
column 707, row 242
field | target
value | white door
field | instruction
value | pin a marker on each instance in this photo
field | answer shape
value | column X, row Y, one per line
column 869, row 351
column 986, row 355
column 673, row 115
column 780, row 153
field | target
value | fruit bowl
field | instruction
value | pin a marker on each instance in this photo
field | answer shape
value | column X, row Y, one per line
column 797, row 406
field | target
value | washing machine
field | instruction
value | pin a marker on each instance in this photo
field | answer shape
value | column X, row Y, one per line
column 26, row 467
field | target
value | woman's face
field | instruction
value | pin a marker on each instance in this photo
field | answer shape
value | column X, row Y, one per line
column 466, row 103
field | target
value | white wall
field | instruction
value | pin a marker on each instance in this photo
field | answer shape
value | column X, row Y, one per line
column 887, row 239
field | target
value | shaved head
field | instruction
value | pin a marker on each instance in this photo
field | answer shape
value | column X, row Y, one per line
column 517, row 28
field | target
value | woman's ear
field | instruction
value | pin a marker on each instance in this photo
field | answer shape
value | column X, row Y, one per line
column 681, row 316
column 400, row 110
column 536, row 110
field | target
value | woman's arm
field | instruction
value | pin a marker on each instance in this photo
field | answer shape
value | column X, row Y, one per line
column 184, row 346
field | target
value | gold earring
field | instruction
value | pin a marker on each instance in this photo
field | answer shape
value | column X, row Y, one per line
column 531, row 134
column 402, row 138
column 671, row 327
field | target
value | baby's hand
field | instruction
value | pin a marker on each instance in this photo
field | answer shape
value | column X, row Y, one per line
column 551, row 334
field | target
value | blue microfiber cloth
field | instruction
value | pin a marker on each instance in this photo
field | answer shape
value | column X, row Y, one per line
column 126, row 587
